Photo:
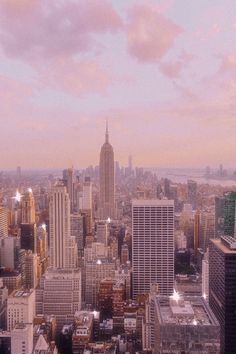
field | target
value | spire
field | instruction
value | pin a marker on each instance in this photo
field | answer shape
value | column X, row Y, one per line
column 107, row 134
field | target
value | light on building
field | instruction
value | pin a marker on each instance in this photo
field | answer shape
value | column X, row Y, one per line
column 175, row 296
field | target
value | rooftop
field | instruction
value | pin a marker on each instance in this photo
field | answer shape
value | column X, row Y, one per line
column 184, row 310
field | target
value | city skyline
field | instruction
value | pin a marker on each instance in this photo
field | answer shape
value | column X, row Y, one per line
column 162, row 72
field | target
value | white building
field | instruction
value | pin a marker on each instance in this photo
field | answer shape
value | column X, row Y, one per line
column 63, row 248
column 87, row 195
column 20, row 308
column 153, row 245
column 22, row 339
column 102, row 232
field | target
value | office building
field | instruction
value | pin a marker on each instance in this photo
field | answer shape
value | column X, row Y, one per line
column 107, row 180
column 229, row 214
column 185, row 325
column 28, row 237
column 153, row 245
column 69, row 181
column 20, row 308
column 28, row 207
column 192, row 193
column 3, row 222
column 30, row 269
column 59, row 293
column 222, row 289
column 102, row 232
column 63, row 248
column 22, row 338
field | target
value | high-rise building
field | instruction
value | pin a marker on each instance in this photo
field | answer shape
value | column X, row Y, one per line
column 153, row 245
column 69, row 179
column 59, row 293
column 205, row 276
column 28, row 237
column 31, row 263
column 28, row 207
column 107, row 180
column 63, row 249
column 192, row 193
column 102, row 232
column 87, row 194
column 185, row 325
column 222, row 289
column 229, row 213
column 20, row 307
column 3, row 222
column 22, row 339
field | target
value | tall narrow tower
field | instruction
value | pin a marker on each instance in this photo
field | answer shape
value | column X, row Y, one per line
column 28, row 207
column 62, row 244
column 107, row 179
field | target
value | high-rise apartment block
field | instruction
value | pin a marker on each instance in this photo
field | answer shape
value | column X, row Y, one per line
column 153, row 245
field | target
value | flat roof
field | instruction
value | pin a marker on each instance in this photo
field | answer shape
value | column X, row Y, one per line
column 188, row 310
column 222, row 246
column 152, row 202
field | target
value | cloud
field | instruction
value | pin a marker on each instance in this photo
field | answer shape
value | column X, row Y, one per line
column 171, row 70
column 75, row 77
column 228, row 63
column 150, row 34
column 47, row 29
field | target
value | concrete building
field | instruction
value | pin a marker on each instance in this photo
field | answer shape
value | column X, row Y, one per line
column 222, row 289
column 28, row 237
column 22, row 338
column 20, row 308
column 185, row 325
column 28, row 207
column 63, row 248
column 205, row 276
column 83, row 331
column 95, row 271
column 59, row 293
column 153, row 245
column 102, row 232
column 3, row 304
column 3, row 222
column 31, row 265
column 107, row 180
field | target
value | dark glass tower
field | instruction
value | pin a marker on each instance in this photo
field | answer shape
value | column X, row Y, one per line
column 222, row 289
column 229, row 213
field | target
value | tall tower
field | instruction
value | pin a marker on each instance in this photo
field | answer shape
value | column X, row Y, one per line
column 62, row 244
column 107, row 179
column 153, row 245
column 222, row 289
column 28, row 207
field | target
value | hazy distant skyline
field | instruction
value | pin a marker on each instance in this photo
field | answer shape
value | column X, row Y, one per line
column 162, row 72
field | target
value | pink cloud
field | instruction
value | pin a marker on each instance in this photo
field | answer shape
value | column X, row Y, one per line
column 174, row 69
column 150, row 34
column 228, row 63
column 52, row 28
column 75, row 77
column 171, row 70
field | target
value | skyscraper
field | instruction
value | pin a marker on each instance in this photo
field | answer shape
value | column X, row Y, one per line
column 69, row 178
column 28, row 207
column 62, row 244
column 229, row 213
column 192, row 193
column 153, row 245
column 107, row 180
column 222, row 289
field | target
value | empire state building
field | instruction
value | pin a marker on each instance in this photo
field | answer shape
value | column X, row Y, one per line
column 107, row 180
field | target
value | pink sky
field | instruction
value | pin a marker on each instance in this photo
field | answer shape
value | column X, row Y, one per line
column 162, row 72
